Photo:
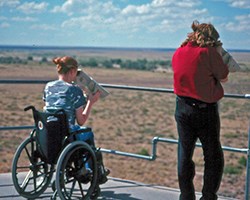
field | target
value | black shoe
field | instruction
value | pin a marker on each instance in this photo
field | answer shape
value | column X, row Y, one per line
column 103, row 175
column 107, row 172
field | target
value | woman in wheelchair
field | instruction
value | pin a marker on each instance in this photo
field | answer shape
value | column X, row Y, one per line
column 59, row 144
column 64, row 94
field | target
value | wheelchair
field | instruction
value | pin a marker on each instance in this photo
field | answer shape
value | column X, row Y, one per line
column 50, row 149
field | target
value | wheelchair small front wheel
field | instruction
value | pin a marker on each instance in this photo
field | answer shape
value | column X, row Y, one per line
column 31, row 176
column 76, row 173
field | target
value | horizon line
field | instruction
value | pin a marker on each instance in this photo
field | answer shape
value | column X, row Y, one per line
column 100, row 47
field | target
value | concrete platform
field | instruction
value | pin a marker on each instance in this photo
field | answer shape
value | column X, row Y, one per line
column 114, row 189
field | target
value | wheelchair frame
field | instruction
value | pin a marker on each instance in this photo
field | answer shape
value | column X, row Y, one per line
column 32, row 172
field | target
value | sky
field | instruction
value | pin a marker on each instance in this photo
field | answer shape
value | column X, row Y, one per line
column 121, row 23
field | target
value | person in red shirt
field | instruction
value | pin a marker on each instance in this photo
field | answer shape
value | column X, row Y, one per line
column 198, row 72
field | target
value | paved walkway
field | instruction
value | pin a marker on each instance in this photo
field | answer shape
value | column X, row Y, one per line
column 114, row 189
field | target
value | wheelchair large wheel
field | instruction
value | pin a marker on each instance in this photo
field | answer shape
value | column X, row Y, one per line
column 31, row 176
column 74, row 179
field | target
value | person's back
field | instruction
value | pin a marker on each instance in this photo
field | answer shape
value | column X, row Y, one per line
column 197, row 70
column 59, row 94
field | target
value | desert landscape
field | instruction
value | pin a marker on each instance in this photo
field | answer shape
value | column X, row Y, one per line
column 128, row 120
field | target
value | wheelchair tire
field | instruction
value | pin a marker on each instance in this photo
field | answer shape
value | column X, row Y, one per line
column 73, row 181
column 31, row 176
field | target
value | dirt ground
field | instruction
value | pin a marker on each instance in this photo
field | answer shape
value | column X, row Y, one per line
column 128, row 120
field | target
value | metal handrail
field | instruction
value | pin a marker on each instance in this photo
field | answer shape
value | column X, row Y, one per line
column 124, row 87
column 155, row 140
column 8, row 128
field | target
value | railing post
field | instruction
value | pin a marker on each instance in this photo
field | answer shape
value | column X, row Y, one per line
column 247, row 191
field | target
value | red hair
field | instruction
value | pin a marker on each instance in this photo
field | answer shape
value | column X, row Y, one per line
column 64, row 64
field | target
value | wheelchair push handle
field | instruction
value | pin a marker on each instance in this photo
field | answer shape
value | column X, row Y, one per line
column 29, row 107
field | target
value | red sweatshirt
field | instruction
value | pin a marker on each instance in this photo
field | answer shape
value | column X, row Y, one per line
column 197, row 71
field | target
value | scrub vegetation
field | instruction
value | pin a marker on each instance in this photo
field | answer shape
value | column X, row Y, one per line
column 128, row 120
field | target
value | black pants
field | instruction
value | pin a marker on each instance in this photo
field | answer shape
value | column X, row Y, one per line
column 198, row 120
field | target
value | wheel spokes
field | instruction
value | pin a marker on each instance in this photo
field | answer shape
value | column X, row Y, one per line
column 76, row 164
column 30, row 174
column 26, row 181
column 81, row 189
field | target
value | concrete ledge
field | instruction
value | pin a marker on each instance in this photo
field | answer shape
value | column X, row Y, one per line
column 114, row 189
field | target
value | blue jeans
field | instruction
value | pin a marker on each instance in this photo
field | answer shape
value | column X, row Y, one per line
column 198, row 120
column 85, row 136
